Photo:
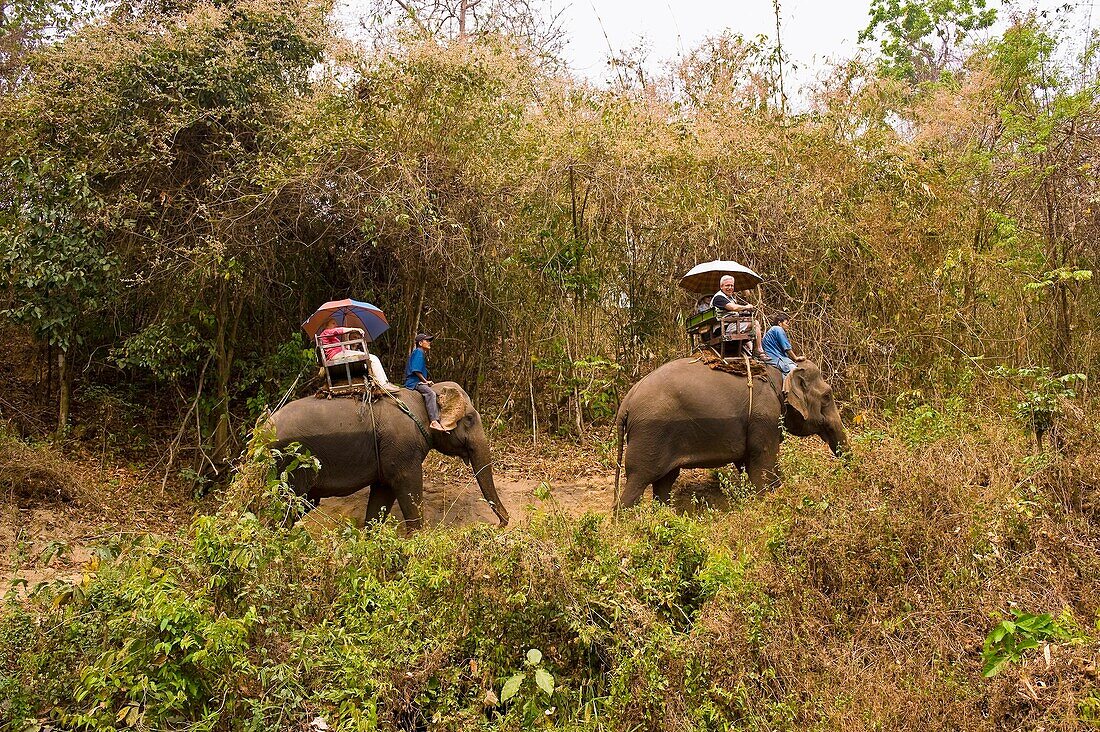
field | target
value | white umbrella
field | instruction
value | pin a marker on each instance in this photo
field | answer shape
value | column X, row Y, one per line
column 703, row 278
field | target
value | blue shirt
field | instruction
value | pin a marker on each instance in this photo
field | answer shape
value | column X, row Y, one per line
column 775, row 342
column 417, row 362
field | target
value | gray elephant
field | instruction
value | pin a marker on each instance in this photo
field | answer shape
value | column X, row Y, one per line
column 380, row 446
column 687, row 415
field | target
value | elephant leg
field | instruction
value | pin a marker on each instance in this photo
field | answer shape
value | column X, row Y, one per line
column 662, row 487
column 380, row 502
column 409, row 488
column 762, row 469
column 635, row 485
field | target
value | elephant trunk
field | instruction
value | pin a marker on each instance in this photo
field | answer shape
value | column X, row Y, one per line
column 837, row 439
column 482, row 464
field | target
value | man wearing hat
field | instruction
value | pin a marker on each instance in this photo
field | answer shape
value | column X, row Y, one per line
column 416, row 377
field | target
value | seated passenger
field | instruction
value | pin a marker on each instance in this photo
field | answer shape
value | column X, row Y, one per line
column 727, row 299
column 416, row 377
column 778, row 346
column 378, row 374
column 331, row 336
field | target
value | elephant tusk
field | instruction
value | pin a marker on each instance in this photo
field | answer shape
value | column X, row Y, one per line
column 478, row 472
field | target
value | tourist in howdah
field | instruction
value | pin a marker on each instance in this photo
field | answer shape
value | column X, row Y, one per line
column 727, row 299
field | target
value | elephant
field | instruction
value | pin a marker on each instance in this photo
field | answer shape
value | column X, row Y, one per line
column 378, row 444
column 687, row 415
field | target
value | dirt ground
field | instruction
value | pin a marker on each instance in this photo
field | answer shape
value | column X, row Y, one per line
column 46, row 533
column 574, row 479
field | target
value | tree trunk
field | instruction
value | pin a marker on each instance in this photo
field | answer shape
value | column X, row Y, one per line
column 65, row 389
column 221, row 391
column 1061, row 333
column 223, row 357
column 419, row 310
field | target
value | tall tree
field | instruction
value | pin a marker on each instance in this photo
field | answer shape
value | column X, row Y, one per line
column 177, row 122
column 920, row 39
column 26, row 25
column 535, row 23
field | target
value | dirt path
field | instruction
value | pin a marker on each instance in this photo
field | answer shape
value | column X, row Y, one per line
column 457, row 503
column 56, row 512
column 450, row 500
column 73, row 504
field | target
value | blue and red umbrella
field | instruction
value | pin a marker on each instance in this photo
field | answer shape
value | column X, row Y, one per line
column 348, row 314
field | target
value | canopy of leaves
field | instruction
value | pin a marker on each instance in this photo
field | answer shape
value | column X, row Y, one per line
column 920, row 38
column 238, row 166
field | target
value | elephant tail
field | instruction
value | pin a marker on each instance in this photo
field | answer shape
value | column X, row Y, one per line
column 621, row 429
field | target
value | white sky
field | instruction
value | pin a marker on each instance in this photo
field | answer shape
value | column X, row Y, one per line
column 815, row 32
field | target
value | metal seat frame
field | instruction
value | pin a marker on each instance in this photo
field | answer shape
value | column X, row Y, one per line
column 724, row 331
column 353, row 368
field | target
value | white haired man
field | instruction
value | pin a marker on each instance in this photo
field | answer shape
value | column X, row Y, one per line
column 727, row 299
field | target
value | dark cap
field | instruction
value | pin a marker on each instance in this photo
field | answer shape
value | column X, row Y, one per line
column 423, row 337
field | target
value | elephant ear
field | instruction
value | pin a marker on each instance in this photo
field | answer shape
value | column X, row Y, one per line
column 806, row 390
column 453, row 406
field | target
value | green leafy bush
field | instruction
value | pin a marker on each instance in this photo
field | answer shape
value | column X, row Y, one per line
column 1042, row 396
column 1010, row 638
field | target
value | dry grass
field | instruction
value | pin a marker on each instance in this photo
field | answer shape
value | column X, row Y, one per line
column 854, row 597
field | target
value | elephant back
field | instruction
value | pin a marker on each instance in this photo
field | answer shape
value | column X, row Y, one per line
column 691, row 386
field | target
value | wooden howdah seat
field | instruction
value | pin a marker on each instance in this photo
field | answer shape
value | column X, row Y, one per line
column 348, row 369
column 727, row 333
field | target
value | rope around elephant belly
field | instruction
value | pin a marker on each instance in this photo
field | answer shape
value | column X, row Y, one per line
column 748, row 378
column 374, row 428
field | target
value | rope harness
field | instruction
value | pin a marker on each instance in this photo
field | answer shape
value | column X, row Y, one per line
column 282, row 402
column 743, row 367
column 365, row 395
column 405, row 408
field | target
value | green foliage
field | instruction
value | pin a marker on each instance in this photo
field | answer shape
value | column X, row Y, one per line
column 1043, row 395
column 530, row 691
column 241, row 166
column 648, row 620
column 26, row 25
column 592, row 380
column 53, row 257
column 1062, row 275
column 1010, row 638
column 168, row 351
column 1088, row 709
column 141, row 158
column 367, row 629
column 918, row 37
column 918, row 423
column 735, row 486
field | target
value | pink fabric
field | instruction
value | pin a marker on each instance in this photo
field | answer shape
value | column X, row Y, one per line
column 332, row 335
